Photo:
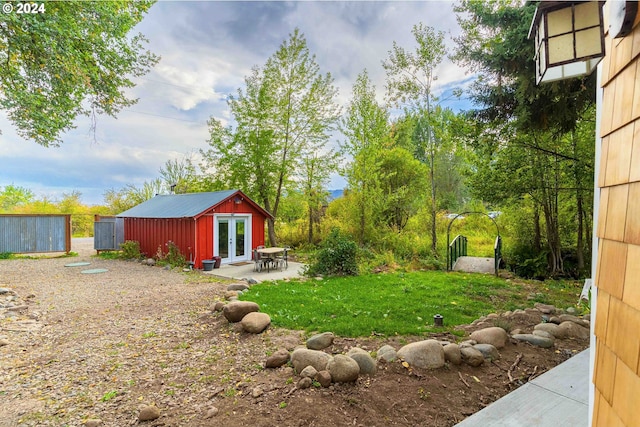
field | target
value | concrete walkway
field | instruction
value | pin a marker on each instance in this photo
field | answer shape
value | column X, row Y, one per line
column 557, row 398
column 472, row 264
column 245, row 271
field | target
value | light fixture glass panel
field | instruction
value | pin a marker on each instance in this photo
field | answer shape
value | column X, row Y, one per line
column 588, row 42
column 559, row 22
column 543, row 56
column 552, row 74
column 560, row 49
column 587, row 15
column 574, row 69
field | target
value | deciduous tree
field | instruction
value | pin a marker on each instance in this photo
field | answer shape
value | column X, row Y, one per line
column 366, row 129
column 410, row 80
column 535, row 153
column 74, row 58
column 287, row 107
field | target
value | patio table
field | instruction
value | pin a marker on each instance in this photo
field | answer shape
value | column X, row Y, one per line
column 271, row 253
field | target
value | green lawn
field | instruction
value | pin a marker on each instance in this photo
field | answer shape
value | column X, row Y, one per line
column 399, row 303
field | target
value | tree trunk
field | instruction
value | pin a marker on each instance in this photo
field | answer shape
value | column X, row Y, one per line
column 580, row 243
column 579, row 207
column 362, row 213
column 434, row 206
column 550, row 209
column 272, row 232
column 310, row 224
column 270, row 222
column 537, row 234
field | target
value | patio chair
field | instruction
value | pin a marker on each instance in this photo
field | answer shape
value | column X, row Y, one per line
column 283, row 260
column 258, row 261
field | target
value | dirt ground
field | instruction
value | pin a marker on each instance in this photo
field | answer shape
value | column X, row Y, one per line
column 99, row 346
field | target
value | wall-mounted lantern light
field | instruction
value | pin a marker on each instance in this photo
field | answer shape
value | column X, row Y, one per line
column 569, row 39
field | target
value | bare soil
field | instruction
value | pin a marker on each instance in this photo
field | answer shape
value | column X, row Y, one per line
column 98, row 346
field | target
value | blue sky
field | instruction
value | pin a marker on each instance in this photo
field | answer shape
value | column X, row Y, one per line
column 207, row 48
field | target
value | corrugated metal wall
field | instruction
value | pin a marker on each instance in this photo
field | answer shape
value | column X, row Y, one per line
column 35, row 233
column 108, row 233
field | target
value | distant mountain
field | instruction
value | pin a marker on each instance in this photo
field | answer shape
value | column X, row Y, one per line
column 334, row 194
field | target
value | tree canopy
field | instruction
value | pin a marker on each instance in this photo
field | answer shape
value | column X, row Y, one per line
column 76, row 58
column 494, row 43
column 283, row 115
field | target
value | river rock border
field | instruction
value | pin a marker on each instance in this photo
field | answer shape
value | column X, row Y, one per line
column 487, row 335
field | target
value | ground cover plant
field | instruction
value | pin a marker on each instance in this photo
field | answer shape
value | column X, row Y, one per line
column 103, row 358
column 400, row 303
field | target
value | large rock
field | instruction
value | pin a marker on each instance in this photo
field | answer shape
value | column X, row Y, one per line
column 277, row 359
column 320, row 341
column 427, row 354
column 255, row 322
column 551, row 328
column 236, row 310
column 488, row 351
column 534, row 340
column 574, row 319
column 541, row 333
column 452, row 354
column 309, row 372
column 303, row 357
column 573, row 330
column 494, row 335
column 545, row 308
column 324, row 378
column 471, row 356
column 148, row 413
column 238, row 287
column 386, row 353
column 364, row 360
column 343, row 369
column 305, row 382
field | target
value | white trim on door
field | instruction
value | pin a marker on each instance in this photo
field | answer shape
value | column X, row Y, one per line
column 232, row 221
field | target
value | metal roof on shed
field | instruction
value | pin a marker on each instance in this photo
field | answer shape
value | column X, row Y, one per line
column 177, row 205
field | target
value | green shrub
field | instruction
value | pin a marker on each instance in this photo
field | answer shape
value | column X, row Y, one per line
column 131, row 249
column 174, row 257
column 336, row 256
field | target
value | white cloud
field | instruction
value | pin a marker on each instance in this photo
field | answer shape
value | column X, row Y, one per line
column 207, row 49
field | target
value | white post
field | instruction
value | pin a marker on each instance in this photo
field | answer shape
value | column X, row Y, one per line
column 594, row 244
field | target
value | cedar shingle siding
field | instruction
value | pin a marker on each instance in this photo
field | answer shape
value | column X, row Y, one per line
column 617, row 363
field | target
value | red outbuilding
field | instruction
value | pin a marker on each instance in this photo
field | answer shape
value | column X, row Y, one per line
column 225, row 224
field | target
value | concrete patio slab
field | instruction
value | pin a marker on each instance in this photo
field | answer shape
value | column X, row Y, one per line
column 246, row 271
column 471, row 264
column 559, row 397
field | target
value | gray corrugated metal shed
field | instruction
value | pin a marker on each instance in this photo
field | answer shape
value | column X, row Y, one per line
column 177, row 205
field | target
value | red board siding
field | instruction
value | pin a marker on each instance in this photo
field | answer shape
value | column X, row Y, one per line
column 243, row 208
column 153, row 233
column 204, row 237
column 194, row 236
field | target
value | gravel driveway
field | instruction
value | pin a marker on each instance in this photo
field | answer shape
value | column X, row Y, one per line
column 81, row 346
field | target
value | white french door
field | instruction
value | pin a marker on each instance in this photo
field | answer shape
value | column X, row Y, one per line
column 232, row 238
